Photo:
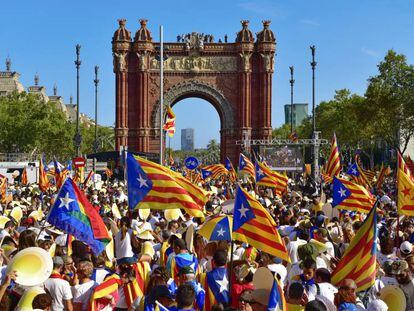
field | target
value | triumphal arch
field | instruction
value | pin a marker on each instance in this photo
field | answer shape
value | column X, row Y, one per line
column 235, row 77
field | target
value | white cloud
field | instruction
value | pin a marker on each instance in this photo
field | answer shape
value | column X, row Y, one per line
column 369, row 52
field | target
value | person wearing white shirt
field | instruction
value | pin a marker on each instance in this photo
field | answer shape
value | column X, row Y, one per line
column 83, row 290
column 323, row 281
column 59, row 288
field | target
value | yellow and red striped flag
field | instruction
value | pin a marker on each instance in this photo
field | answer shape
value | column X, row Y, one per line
column 358, row 175
column 151, row 185
column 169, row 125
column 43, row 180
column 246, row 166
column 405, row 187
column 213, row 171
column 268, row 178
column 257, row 227
column 410, row 164
column 107, row 288
column 333, row 166
column 359, row 261
column 350, row 196
column 199, row 195
column 24, row 176
column 232, row 172
column 384, row 171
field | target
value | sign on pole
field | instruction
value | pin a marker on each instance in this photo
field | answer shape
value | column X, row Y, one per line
column 191, row 163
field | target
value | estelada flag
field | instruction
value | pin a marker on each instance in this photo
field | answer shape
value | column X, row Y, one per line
column 74, row 214
column 258, row 228
column 151, row 185
column 246, row 166
column 405, row 186
column 360, row 260
column 213, row 171
column 351, row 196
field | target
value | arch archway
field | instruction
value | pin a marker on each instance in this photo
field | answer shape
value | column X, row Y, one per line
column 236, row 78
column 209, row 93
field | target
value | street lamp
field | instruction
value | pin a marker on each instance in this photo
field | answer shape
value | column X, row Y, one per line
column 95, row 143
column 313, row 65
column 292, row 81
column 78, row 137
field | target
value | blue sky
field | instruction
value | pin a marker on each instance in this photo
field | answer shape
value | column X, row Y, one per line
column 351, row 38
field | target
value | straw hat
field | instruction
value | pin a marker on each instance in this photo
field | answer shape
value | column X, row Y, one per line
column 146, row 235
column 148, row 249
column 172, row 214
column 394, row 297
column 33, row 266
column 53, row 230
column 3, row 221
column 25, row 303
column 144, row 213
column 262, row 281
column 16, row 213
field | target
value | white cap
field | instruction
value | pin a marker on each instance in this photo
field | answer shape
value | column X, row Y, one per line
column 377, row 305
column 406, row 248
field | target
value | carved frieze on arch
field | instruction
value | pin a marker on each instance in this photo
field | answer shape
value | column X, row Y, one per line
column 196, row 88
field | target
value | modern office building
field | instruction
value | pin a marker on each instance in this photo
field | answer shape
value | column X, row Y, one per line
column 187, row 139
column 300, row 113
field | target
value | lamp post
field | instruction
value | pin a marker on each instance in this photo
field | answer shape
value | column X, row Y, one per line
column 95, row 143
column 315, row 134
column 292, row 81
column 313, row 65
column 78, row 137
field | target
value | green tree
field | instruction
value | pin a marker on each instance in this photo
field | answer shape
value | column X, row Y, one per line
column 390, row 101
column 27, row 124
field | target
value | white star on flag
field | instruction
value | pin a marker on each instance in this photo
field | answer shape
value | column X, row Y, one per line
column 243, row 211
column 224, row 284
column 242, row 163
column 221, row 232
column 260, row 172
column 142, row 182
column 354, row 171
column 65, row 201
column 342, row 192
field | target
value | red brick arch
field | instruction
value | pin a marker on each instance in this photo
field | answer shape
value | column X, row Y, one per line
column 236, row 78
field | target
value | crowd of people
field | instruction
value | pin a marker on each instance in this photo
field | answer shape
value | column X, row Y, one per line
column 161, row 262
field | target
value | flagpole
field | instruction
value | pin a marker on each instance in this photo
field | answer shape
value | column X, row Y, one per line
column 231, row 267
column 161, row 92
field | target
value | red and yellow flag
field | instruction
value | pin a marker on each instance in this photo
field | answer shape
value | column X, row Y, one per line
column 333, row 166
column 24, row 177
column 268, row 178
column 169, row 125
column 359, row 261
column 246, row 166
column 255, row 226
column 151, row 185
column 43, row 180
column 405, row 187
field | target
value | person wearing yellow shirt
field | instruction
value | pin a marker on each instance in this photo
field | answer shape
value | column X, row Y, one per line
column 316, row 205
